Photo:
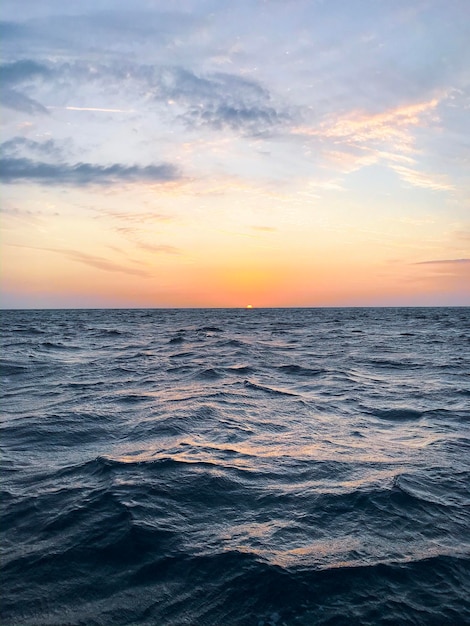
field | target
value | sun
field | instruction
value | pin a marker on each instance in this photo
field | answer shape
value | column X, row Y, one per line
column 249, row 306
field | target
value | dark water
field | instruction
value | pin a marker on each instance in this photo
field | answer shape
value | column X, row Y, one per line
column 235, row 467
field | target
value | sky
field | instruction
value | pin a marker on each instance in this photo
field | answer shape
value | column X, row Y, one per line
column 220, row 153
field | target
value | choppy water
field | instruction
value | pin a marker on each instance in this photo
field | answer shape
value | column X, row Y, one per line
column 235, row 468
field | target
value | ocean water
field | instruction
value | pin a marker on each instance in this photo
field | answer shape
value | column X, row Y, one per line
column 235, row 467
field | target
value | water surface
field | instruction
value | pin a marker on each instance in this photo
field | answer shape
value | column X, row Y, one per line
column 235, row 467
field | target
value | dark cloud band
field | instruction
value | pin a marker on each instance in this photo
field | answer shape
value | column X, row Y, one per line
column 14, row 170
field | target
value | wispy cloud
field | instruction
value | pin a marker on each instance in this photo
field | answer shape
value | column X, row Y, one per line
column 391, row 126
column 462, row 235
column 266, row 229
column 97, row 262
column 100, row 263
column 445, row 262
column 448, row 273
column 31, row 216
column 158, row 248
column 136, row 217
column 359, row 139
column 437, row 182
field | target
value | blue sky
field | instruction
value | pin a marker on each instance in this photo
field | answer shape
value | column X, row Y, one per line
column 218, row 153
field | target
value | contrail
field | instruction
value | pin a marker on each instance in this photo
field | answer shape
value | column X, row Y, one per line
column 93, row 109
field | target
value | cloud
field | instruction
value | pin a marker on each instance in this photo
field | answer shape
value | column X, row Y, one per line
column 253, row 120
column 17, row 74
column 136, row 217
column 14, row 170
column 422, row 179
column 360, row 139
column 221, row 101
column 458, row 269
column 14, row 100
column 216, row 100
column 100, row 263
column 158, row 248
column 91, row 260
column 448, row 274
column 213, row 100
column 360, row 128
column 185, row 85
column 10, row 30
column 445, row 262
column 29, row 215
column 267, row 229
column 462, row 235
column 94, row 28
column 21, row 71
column 22, row 146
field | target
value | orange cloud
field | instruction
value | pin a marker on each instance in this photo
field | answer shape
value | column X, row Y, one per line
column 361, row 128
column 422, row 179
column 361, row 139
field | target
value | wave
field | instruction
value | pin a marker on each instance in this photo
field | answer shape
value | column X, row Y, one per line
column 180, row 369
column 221, row 468
column 177, row 339
column 240, row 369
column 112, row 332
column 209, row 373
column 238, row 588
column 11, row 369
column 396, row 415
column 54, row 345
column 271, row 390
column 405, row 414
column 436, row 489
column 392, row 364
column 210, row 329
column 133, row 398
column 298, row 370
column 233, row 343
column 182, row 355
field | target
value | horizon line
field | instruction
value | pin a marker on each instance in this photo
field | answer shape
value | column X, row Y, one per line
column 238, row 308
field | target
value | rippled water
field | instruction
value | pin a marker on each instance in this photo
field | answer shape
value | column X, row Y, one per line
column 235, row 467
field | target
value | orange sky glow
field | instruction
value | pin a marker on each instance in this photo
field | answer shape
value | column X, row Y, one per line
column 329, row 170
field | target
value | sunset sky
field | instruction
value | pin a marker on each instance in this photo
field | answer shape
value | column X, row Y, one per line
column 226, row 152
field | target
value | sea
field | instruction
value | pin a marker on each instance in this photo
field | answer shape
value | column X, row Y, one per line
column 235, row 467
